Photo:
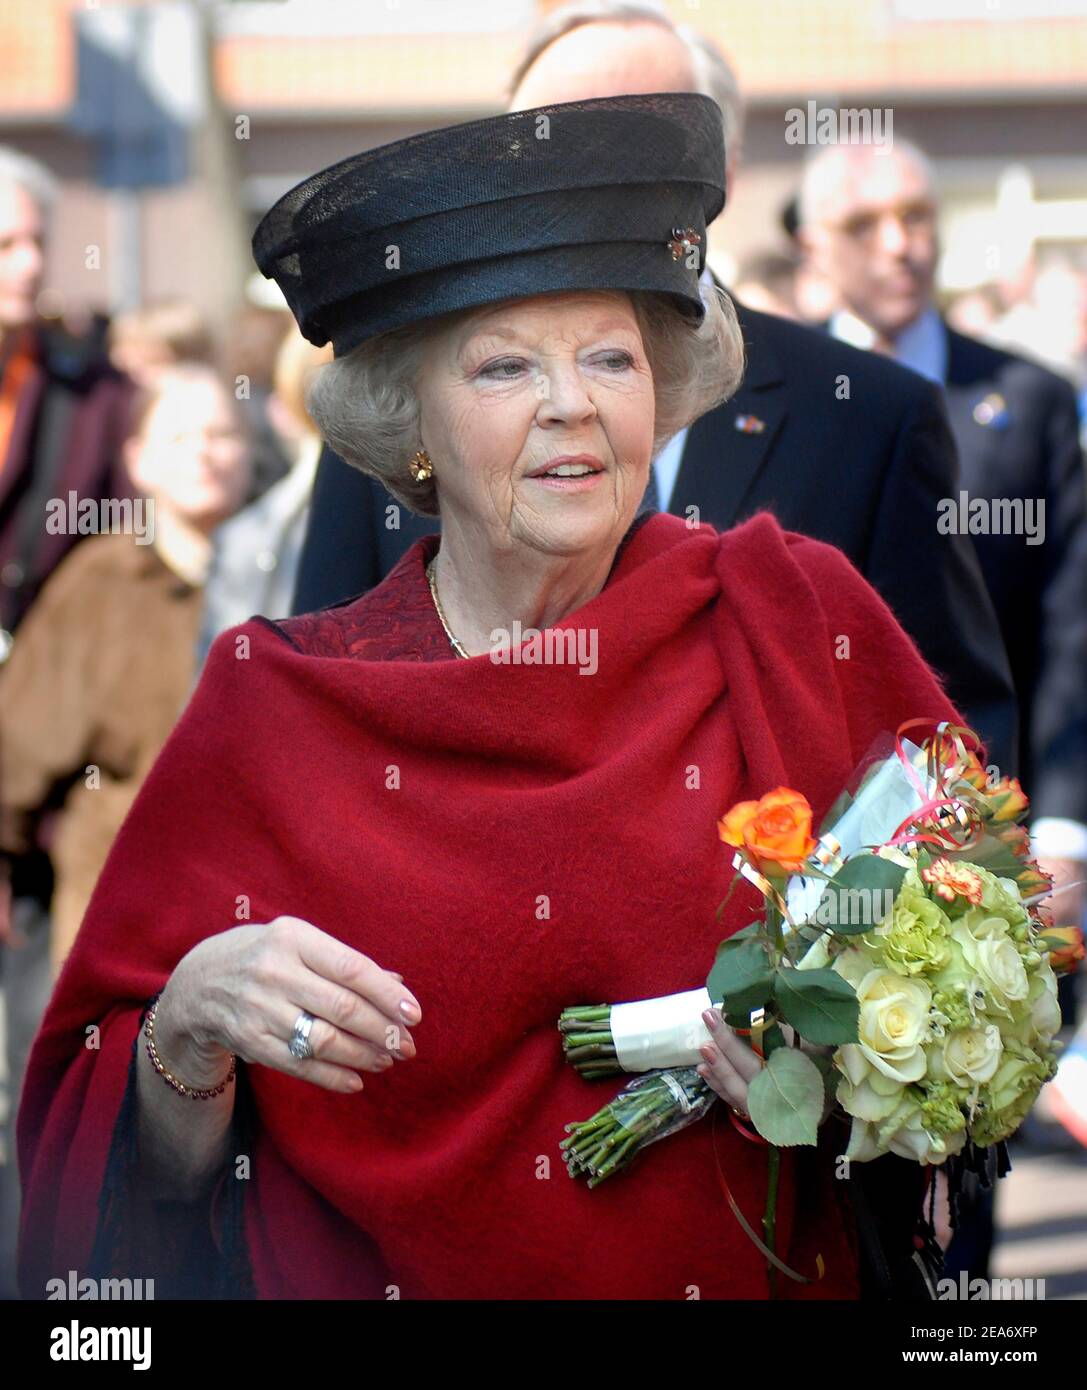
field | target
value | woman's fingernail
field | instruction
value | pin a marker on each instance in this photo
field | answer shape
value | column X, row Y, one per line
column 410, row 1010
column 711, row 1018
column 707, row 1051
column 397, row 975
column 385, row 1062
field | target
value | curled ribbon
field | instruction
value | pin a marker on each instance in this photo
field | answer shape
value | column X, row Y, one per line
column 749, row 1231
column 948, row 755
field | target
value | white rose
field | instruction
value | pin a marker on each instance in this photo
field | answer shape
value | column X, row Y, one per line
column 893, row 1024
column 903, row 1134
column 862, row 1142
column 863, row 1092
column 972, row 1055
column 913, row 1141
column 992, row 955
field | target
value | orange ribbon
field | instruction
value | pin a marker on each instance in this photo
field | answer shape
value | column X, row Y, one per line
column 746, row 1227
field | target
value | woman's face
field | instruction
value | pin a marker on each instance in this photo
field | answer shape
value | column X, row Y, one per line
column 193, row 454
column 508, row 392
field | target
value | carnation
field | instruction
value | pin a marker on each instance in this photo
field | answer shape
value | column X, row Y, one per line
column 915, row 937
column 941, row 1108
column 952, row 1006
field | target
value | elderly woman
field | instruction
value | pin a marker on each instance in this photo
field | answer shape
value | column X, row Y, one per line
column 306, row 1044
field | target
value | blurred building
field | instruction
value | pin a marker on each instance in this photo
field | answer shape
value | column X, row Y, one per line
column 994, row 93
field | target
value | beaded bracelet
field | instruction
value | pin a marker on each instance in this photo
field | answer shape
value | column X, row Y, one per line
column 193, row 1092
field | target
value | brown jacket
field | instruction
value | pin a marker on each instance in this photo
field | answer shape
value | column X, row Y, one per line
column 98, row 674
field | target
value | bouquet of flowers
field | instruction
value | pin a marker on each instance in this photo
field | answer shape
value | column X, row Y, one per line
column 904, row 949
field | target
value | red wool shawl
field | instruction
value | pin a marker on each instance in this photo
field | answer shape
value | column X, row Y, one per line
column 547, row 838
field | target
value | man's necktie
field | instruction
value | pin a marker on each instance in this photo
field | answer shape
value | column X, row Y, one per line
column 651, row 501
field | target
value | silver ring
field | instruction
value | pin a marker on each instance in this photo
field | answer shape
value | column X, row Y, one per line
column 299, row 1045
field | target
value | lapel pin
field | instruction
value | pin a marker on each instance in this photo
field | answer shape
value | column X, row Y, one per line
column 992, row 410
column 683, row 241
column 749, row 424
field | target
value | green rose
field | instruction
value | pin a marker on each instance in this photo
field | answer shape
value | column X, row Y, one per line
column 1005, row 1102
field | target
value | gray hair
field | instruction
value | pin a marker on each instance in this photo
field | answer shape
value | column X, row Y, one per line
column 714, row 76
column 365, row 405
column 30, row 175
column 823, row 170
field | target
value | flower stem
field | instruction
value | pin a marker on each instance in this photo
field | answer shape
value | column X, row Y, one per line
column 769, row 1220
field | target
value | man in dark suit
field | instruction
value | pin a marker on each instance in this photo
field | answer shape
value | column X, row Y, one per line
column 868, row 222
column 868, row 219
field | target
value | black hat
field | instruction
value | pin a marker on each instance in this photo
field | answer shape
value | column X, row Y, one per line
column 613, row 193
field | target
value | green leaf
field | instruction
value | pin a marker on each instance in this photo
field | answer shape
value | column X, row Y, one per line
column 859, row 895
column 820, row 1005
column 786, row 1099
column 749, row 933
column 741, row 978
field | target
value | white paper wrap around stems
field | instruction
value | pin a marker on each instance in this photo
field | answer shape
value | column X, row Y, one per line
column 663, row 1032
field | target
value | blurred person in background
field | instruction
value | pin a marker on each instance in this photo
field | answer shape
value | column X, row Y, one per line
column 255, row 554
column 868, row 222
column 1051, row 325
column 63, row 417
column 255, row 337
column 144, row 341
column 766, row 281
column 100, row 672
column 814, row 298
column 104, row 661
column 864, row 477
column 63, row 409
column 974, row 312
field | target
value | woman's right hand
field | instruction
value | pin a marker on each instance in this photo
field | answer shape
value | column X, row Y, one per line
column 242, row 990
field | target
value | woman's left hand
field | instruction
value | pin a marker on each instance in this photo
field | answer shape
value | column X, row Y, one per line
column 729, row 1063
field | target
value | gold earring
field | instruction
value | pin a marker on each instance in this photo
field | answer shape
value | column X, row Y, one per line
column 421, row 468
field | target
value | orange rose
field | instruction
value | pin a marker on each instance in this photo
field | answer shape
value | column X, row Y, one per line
column 774, row 832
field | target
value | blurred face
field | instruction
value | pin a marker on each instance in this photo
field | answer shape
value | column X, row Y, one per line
column 874, row 239
column 22, row 256
column 538, row 414
column 140, row 359
column 192, row 455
